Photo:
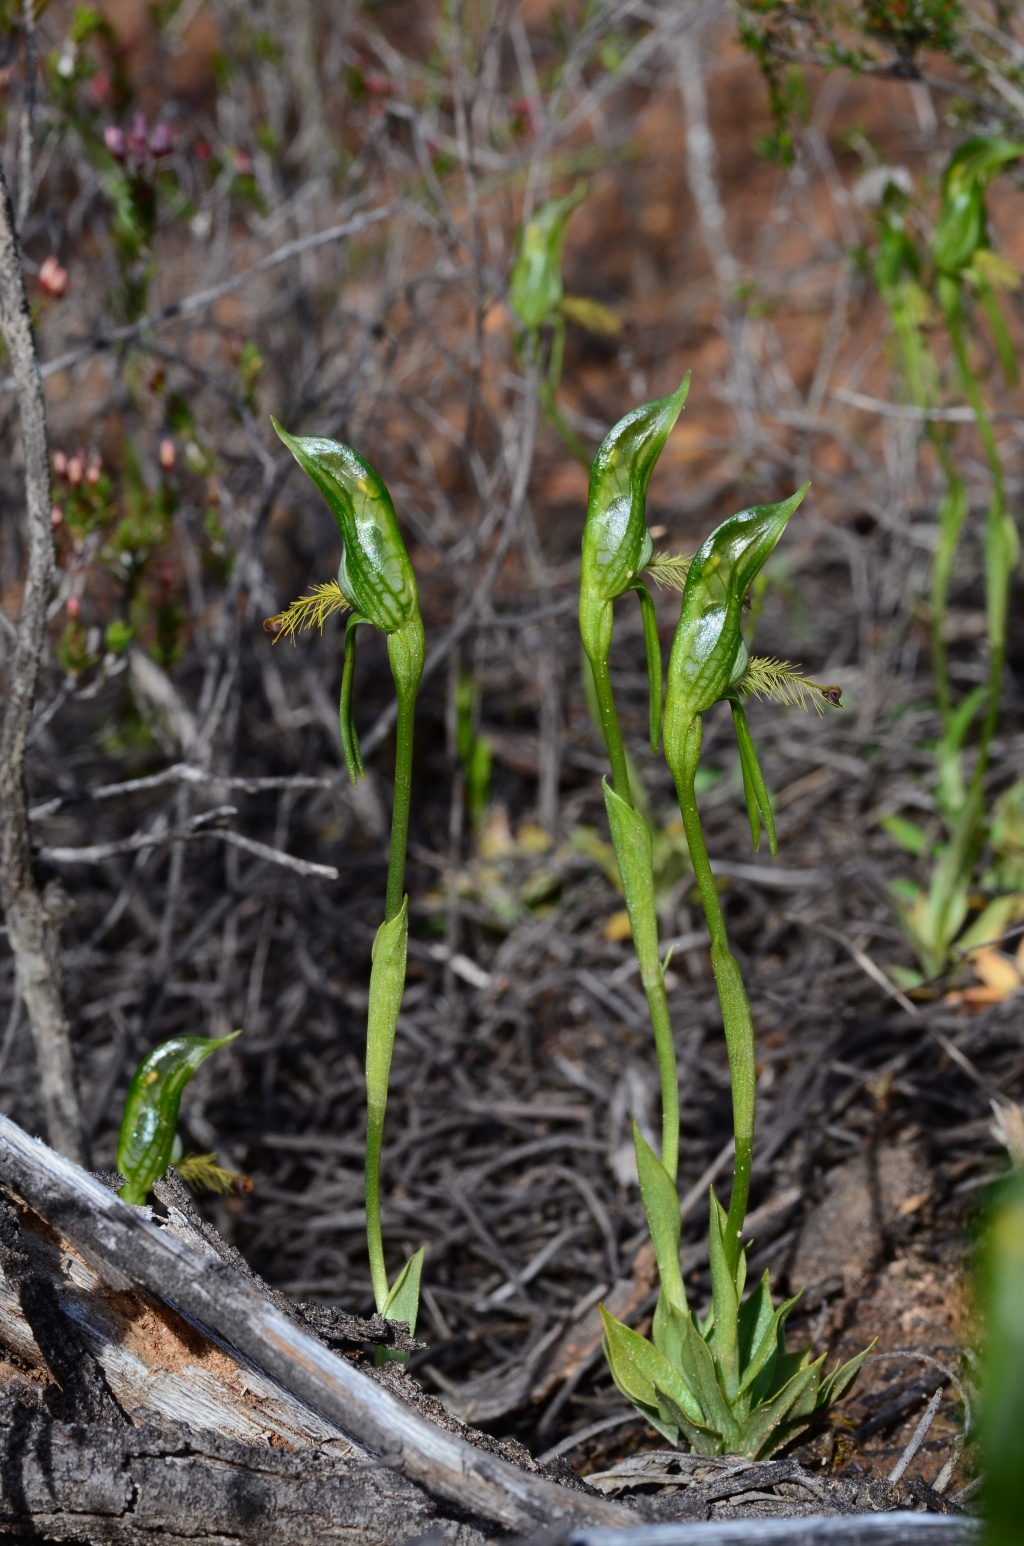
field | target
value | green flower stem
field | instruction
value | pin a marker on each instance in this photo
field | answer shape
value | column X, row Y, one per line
column 631, row 837
column 374, row 1239
column 406, row 650
column 610, row 727
column 736, row 1017
column 997, row 569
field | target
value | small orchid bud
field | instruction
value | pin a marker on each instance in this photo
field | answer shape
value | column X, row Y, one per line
column 56, row 515
column 94, row 470
column 535, row 288
column 75, row 470
column 60, row 463
column 73, row 607
column 167, row 455
column 113, row 139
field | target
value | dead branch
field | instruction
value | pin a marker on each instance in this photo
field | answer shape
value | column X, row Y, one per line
column 32, row 933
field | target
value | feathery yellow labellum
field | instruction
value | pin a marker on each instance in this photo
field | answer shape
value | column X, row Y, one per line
column 781, row 682
column 670, row 569
column 310, row 611
column 202, row 1172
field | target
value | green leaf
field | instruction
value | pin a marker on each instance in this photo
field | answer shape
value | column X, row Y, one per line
column 661, row 1205
column 640, row 1370
column 146, row 1139
column 769, row 1340
column 631, row 839
column 754, row 1319
column 387, row 981
column 708, row 653
column 701, row 1439
column 836, row 1384
column 755, row 1435
column 911, row 838
column 717, row 1413
column 725, row 1301
column 402, row 1304
column 535, row 288
column 669, row 1330
column 991, row 923
column 375, row 575
column 652, row 646
column 754, row 788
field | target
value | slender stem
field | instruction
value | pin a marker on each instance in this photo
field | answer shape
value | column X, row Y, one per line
column 736, row 1017
column 374, row 1239
column 610, row 727
column 644, row 922
column 954, row 510
column 400, row 811
column 997, row 572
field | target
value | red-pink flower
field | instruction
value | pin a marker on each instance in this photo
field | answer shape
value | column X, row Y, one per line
column 113, row 138
column 53, row 279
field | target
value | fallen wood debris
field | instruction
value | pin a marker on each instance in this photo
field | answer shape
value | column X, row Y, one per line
column 254, row 1429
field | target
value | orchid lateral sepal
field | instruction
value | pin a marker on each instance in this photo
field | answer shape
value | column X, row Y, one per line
column 754, row 789
column 652, row 649
column 146, row 1139
column 349, row 739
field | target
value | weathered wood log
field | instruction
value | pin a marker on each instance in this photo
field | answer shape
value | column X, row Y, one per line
column 233, row 1369
column 897, row 1529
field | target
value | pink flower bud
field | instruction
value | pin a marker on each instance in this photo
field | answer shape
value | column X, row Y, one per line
column 113, row 138
column 56, row 515
column 243, row 162
column 167, row 454
column 60, row 463
column 53, row 280
column 73, row 607
column 161, row 141
column 75, row 471
column 202, row 150
column 92, row 476
column 98, row 88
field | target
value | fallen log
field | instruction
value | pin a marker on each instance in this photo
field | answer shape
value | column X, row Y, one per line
column 163, row 1389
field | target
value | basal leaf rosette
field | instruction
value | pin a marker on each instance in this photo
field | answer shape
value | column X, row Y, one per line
column 726, row 1384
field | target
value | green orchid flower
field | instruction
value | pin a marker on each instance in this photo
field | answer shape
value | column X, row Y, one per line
column 146, row 1141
